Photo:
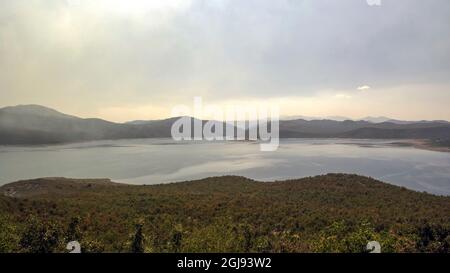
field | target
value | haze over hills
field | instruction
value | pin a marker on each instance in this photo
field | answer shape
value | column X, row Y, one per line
column 34, row 124
column 371, row 119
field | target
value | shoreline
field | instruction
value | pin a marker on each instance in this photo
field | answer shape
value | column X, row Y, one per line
column 423, row 144
column 40, row 186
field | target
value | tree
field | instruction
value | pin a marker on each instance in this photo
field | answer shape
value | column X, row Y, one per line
column 40, row 237
column 433, row 238
column 73, row 232
column 177, row 237
column 137, row 245
column 342, row 237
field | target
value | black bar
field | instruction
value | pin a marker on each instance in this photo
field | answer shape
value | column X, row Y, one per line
column 227, row 262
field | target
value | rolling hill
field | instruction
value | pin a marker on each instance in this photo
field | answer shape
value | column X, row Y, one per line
column 327, row 213
column 34, row 124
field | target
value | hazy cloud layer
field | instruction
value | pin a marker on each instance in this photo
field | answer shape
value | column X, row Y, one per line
column 90, row 57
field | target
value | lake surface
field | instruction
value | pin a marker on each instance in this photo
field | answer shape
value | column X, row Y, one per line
column 152, row 161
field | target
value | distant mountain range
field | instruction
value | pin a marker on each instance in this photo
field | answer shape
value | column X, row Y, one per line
column 369, row 119
column 34, row 124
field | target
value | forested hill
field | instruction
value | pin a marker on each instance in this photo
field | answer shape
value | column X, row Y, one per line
column 328, row 213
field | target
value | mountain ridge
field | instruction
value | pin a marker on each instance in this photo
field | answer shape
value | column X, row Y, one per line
column 35, row 124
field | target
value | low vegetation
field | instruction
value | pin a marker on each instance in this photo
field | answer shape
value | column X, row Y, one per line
column 441, row 142
column 329, row 213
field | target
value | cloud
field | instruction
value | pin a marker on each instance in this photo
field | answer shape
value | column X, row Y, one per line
column 95, row 54
column 363, row 87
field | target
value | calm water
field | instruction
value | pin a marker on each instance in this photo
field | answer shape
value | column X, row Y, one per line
column 152, row 161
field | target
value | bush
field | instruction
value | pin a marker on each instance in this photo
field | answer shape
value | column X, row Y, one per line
column 41, row 237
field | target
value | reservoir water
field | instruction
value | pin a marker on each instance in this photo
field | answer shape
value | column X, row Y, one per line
column 153, row 161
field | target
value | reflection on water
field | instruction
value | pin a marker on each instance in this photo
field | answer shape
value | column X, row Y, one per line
column 151, row 161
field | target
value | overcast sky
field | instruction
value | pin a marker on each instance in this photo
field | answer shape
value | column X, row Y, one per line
column 136, row 59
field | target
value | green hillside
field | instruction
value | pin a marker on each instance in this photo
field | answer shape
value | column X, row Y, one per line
column 329, row 213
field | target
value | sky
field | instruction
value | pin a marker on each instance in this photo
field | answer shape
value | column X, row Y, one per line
column 135, row 59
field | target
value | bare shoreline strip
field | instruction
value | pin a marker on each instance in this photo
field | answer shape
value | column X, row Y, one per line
column 423, row 144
